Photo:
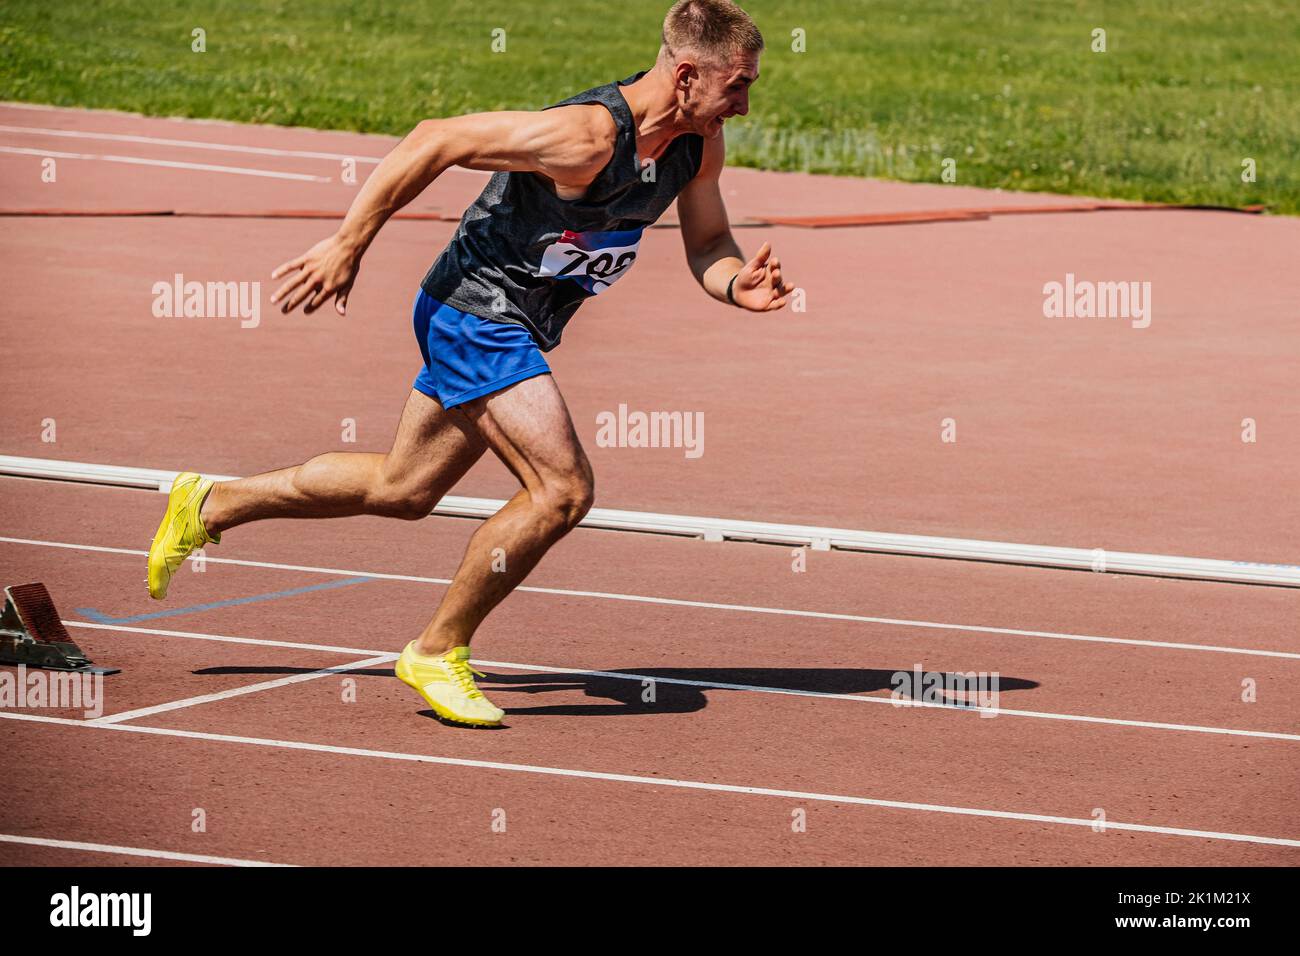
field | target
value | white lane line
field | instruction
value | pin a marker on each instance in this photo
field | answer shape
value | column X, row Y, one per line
column 171, row 164
column 240, row 691
column 707, row 605
column 662, row 781
column 720, row 685
column 200, row 144
column 186, row 143
column 133, row 851
column 196, row 635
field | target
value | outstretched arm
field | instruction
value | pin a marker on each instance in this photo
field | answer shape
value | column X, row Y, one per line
column 569, row 144
column 711, row 250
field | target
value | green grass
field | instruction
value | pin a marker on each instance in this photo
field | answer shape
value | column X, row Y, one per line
column 1010, row 89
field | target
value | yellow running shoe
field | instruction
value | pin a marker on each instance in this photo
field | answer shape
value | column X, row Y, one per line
column 181, row 531
column 447, row 683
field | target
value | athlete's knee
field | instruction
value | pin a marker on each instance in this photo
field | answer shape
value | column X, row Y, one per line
column 580, row 502
column 409, row 507
column 414, row 507
column 407, row 499
column 566, row 501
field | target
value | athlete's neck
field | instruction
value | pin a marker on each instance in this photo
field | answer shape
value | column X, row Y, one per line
column 653, row 101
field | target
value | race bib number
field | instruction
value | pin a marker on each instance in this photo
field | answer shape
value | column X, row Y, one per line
column 594, row 260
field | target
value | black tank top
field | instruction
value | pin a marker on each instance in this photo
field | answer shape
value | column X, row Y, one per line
column 525, row 256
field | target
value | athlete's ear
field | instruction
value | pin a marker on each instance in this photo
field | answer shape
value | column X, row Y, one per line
column 683, row 73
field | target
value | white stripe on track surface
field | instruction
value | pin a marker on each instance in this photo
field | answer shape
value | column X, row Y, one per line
column 668, row 782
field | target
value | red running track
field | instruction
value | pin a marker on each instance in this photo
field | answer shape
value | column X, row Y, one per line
column 1073, row 433
column 1076, row 433
column 1037, row 756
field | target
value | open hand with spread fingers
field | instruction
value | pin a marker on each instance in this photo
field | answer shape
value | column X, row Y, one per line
column 326, row 270
column 759, row 286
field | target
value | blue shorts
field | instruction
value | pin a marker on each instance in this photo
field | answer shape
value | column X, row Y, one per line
column 466, row 357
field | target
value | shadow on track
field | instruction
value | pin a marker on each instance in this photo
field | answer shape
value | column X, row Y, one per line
column 663, row 690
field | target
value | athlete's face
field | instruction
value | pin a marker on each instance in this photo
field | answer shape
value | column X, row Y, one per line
column 721, row 91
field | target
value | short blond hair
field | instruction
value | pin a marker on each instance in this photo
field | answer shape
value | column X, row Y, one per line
column 713, row 29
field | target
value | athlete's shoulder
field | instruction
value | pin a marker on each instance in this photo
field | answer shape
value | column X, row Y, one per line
column 567, row 143
column 585, row 134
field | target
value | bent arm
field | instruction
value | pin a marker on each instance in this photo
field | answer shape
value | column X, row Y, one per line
column 711, row 250
column 714, row 257
column 570, row 144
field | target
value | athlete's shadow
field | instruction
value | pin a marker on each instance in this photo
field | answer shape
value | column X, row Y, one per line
column 663, row 690
column 683, row 690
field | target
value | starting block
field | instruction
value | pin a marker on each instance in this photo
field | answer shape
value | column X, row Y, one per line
column 32, row 634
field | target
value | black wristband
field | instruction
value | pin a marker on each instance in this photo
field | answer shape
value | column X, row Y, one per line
column 731, row 298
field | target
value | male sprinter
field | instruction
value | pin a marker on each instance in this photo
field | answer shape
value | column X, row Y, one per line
column 559, row 221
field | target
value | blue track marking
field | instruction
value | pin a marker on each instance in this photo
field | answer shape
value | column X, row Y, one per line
column 101, row 618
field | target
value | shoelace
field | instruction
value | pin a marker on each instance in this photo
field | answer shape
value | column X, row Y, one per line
column 463, row 674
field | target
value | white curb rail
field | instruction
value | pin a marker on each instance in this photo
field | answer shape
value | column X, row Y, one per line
column 729, row 529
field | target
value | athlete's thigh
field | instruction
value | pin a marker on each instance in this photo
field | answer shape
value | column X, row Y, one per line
column 434, row 446
column 528, row 426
